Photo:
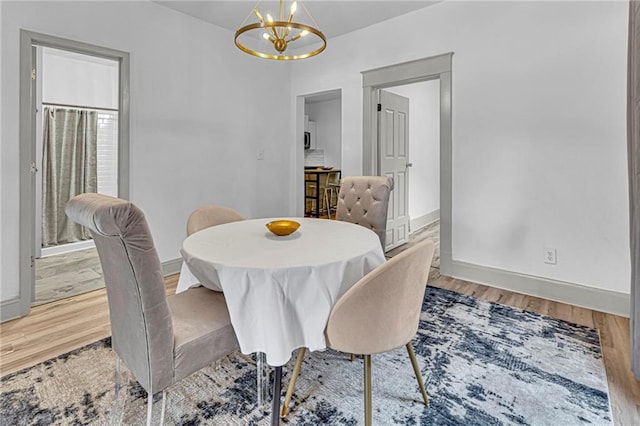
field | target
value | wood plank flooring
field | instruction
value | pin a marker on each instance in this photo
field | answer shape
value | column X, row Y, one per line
column 67, row 274
column 56, row 328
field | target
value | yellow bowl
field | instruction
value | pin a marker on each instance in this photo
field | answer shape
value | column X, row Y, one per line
column 283, row 227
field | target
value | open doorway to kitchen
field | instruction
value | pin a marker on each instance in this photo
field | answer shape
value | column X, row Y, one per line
column 322, row 152
column 74, row 131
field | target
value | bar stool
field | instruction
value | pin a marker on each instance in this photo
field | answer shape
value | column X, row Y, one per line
column 332, row 187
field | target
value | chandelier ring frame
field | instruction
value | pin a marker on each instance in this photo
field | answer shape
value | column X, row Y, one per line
column 279, row 24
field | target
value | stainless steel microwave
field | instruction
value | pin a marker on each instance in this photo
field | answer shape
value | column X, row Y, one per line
column 307, row 140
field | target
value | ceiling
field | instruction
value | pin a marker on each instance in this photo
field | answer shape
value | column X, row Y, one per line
column 334, row 17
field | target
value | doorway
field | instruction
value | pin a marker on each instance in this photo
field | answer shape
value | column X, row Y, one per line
column 51, row 71
column 322, row 152
column 76, row 151
column 418, row 165
column 437, row 68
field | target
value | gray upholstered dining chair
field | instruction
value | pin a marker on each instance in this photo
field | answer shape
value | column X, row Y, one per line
column 379, row 313
column 364, row 200
column 208, row 216
column 161, row 339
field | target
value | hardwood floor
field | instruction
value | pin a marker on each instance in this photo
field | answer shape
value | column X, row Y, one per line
column 67, row 274
column 56, row 328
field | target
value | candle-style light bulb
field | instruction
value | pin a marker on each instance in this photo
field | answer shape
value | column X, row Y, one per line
column 294, row 6
column 258, row 14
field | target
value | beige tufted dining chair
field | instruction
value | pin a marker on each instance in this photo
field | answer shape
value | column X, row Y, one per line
column 161, row 339
column 364, row 200
column 205, row 217
column 379, row 313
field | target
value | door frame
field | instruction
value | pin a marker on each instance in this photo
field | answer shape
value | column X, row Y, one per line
column 29, row 39
column 431, row 68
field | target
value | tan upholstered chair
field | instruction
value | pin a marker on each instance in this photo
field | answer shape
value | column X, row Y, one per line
column 378, row 314
column 161, row 339
column 364, row 200
column 205, row 217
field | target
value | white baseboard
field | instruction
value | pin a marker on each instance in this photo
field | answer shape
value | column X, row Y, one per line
column 612, row 302
column 10, row 309
column 420, row 222
column 171, row 267
column 574, row 294
column 66, row 248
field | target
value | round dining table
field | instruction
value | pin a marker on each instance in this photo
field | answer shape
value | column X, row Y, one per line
column 280, row 289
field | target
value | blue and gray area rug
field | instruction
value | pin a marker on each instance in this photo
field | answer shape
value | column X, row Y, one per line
column 483, row 363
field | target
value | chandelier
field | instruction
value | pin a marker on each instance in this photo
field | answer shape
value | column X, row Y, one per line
column 280, row 39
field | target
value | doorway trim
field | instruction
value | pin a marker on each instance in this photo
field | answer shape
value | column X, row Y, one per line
column 28, row 39
column 431, row 68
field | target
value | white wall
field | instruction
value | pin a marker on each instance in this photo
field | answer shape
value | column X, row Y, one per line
column 199, row 112
column 424, row 146
column 539, row 133
column 328, row 117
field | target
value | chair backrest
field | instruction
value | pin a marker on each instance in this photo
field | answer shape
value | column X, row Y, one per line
column 141, row 325
column 333, row 179
column 205, row 217
column 381, row 311
column 364, row 200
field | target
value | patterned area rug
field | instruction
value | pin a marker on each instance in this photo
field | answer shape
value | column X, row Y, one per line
column 483, row 363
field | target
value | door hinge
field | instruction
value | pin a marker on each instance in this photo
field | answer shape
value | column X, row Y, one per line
column 379, row 107
column 33, row 169
column 33, row 74
column 32, row 261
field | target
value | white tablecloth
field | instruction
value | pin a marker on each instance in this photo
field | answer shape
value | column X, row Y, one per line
column 280, row 290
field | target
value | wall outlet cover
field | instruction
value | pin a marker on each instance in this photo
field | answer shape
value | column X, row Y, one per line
column 550, row 256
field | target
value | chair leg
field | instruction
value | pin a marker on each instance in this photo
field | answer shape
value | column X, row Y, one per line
column 116, row 406
column 292, row 382
column 416, row 369
column 333, row 191
column 163, row 397
column 326, row 203
column 117, row 379
column 367, row 391
column 164, row 407
column 149, row 408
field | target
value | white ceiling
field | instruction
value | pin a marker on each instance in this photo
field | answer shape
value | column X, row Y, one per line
column 334, row 17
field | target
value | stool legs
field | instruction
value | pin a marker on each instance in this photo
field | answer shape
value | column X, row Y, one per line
column 328, row 199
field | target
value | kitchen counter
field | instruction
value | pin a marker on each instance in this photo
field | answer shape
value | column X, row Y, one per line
column 315, row 181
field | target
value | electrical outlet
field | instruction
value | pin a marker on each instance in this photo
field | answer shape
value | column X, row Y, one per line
column 260, row 154
column 550, row 256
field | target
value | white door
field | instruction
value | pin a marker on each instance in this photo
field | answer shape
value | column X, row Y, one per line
column 393, row 142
